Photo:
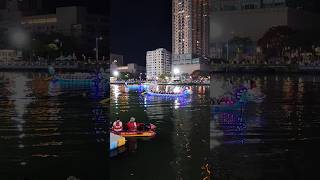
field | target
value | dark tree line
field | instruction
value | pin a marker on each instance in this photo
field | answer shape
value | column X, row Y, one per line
column 280, row 39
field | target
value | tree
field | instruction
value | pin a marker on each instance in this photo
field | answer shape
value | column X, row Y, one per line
column 126, row 76
column 65, row 45
column 276, row 39
column 241, row 44
column 162, row 77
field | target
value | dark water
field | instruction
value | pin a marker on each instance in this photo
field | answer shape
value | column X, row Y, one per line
column 181, row 146
column 50, row 137
column 277, row 139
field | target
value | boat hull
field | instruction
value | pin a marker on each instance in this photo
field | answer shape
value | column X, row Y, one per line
column 136, row 134
column 165, row 95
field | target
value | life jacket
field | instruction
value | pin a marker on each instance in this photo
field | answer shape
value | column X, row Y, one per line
column 132, row 126
column 117, row 126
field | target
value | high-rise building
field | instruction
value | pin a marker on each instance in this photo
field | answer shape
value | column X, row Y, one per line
column 190, row 33
column 158, row 63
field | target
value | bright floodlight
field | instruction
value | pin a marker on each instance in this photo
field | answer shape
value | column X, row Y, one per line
column 176, row 71
column 19, row 38
column 177, row 90
column 116, row 73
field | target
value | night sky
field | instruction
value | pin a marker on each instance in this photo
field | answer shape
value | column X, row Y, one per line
column 138, row 26
column 98, row 6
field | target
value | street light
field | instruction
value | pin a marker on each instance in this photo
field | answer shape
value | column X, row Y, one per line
column 140, row 76
column 176, row 71
column 116, row 73
column 19, row 38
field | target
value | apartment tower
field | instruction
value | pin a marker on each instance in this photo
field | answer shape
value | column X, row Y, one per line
column 158, row 63
column 190, row 32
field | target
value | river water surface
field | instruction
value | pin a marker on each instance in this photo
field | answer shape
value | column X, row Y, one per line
column 46, row 136
column 181, row 146
column 48, row 133
column 276, row 139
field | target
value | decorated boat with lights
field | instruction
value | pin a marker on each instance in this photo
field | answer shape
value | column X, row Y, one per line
column 79, row 79
column 166, row 94
column 251, row 95
column 177, row 92
column 230, row 103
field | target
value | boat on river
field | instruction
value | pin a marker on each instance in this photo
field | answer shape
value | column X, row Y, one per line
column 139, row 133
column 149, row 133
column 165, row 94
column 79, row 79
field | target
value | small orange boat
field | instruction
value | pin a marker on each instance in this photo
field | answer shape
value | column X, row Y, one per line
column 147, row 133
column 136, row 133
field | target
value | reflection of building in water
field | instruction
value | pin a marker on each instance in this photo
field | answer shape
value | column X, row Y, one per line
column 100, row 122
column 154, row 106
column 183, row 125
column 215, row 133
column 39, row 87
column 217, row 87
column 191, row 127
column 20, row 101
column 119, row 94
column 201, row 90
column 288, row 95
column 230, row 123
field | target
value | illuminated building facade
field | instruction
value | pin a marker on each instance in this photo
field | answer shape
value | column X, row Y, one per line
column 132, row 68
column 74, row 21
column 8, row 55
column 158, row 63
column 190, row 32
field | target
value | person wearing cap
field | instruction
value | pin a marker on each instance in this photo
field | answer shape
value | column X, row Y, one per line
column 132, row 125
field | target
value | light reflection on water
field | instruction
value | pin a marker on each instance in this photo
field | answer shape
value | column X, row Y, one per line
column 40, row 132
column 181, row 140
column 277, row 138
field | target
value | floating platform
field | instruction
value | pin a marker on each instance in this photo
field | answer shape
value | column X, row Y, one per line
column 116, row 141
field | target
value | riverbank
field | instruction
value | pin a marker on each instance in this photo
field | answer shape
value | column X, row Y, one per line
column 175, row 84
column 279, row 69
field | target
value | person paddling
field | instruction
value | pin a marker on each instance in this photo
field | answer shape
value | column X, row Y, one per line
column 132, row 125
column 117, row 125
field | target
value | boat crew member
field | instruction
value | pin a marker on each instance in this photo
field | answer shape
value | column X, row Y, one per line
column 117, row 125
column 132, row 125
